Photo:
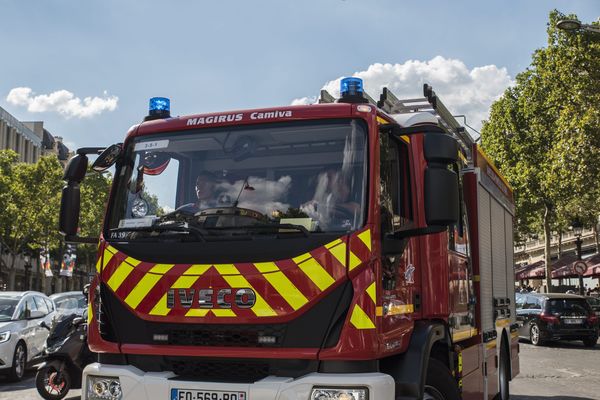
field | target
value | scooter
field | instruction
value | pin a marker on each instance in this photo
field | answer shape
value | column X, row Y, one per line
column 65, row 356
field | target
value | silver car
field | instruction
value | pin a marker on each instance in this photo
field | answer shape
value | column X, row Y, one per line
column 22, row 335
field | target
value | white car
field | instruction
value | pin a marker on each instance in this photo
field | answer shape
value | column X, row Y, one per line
column 22, row 336
column 68, row 303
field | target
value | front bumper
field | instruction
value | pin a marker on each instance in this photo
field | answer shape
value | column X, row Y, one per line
column 7, row 352
column 140, row 385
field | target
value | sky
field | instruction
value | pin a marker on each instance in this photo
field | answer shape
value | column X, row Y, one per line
column 88, row 68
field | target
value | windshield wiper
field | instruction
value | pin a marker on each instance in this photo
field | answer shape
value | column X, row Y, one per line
column 264, row 227
column 170, row 227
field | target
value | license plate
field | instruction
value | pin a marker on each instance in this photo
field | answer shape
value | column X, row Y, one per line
column 187, row 394
column 573, row 321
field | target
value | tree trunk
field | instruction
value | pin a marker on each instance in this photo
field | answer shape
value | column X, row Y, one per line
column 547, row 255
column 560, row 244
column 11, row 272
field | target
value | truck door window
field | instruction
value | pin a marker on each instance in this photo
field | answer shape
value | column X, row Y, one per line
column 457, row 233
column 394, row 182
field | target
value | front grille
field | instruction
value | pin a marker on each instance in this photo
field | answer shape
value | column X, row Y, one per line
column 222, row 371
column 228, row 336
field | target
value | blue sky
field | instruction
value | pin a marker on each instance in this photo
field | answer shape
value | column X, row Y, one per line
column 223, row 55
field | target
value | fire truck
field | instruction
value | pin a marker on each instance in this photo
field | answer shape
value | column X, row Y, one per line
column 351, row 249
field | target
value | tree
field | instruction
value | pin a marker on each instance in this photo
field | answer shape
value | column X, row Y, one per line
column 30, row 199
column 544, row 134
column 94, row 195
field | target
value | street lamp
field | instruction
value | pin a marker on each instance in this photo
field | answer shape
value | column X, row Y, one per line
column 578, row 230
column 574, row 25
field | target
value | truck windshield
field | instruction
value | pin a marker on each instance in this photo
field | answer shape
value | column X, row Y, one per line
column 283, row 179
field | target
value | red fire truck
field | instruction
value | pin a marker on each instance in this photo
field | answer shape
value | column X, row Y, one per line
column 351, row 250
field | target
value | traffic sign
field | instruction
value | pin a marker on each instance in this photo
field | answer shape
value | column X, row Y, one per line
column 580, row 267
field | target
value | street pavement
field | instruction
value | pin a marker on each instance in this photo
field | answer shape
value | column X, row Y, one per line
column 559, row 371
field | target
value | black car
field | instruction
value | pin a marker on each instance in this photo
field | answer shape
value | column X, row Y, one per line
column 554, row 316
column 595, row 304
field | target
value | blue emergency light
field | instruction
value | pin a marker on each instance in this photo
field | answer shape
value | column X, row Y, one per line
column 351, row 87
column 351, row 91
column 160, row 107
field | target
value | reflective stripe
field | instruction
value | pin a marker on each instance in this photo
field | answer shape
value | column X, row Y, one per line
column 146, row 284
column 365, row 237
column 371, row 292
column 183, row 282
column 282, row 284
column 316, row 273
column 261, row 308
column 197, row 269
column 108, row 255
column 223, row 312
column 301, row 258
column 119, row 276
column 160, row 308
column 354, row 261
column 197, row 312
column 339, row 252
column 360, row 319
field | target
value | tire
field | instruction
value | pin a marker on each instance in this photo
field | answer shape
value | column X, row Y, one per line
column 503, row 375
column 535, row 335
column 48, row 387
column 16, row 372
column 440, row 385
column 590, row 341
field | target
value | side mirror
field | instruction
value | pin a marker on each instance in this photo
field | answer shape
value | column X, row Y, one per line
column 69, row 209
column 441, row 197
column 440, row 183
column 43, row 324
column 107, row 158
column 36, row 314
column 76, row 168
column 77, row 321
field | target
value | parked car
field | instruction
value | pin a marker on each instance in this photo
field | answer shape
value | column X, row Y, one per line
column 68, row 303
column 22, row 337
column 554, row 316
column 594, row 303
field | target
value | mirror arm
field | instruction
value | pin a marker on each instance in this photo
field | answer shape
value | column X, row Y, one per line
column 416, row 232
column 90, row 150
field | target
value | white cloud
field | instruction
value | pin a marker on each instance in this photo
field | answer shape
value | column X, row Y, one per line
column 464, row 91
column 63, row 102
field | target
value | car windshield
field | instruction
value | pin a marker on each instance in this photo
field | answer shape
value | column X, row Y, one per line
column 568, row 306
column 287, row 178
column 7, row 308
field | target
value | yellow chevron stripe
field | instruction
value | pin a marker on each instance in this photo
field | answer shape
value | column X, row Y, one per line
column 197, row 312
column 339, row 252
column 197, row 269
column 360, row 319
column 135, row 297
column 223, row 312
column 301, row 258
column 316, row 273
column 234, row 279
column 354, row 261
column 119, row 276
column 333, row 244
column 105, row 259
column 371, row 292
column 160, row 308
column 365, row 237
column 282, row 284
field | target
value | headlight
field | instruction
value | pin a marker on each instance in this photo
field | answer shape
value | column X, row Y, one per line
column 103, row 388
column 339, row 394
column 4, row 336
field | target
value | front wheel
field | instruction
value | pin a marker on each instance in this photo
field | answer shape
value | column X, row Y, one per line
column 440, row 384
column 17, row 370
column 51, row 383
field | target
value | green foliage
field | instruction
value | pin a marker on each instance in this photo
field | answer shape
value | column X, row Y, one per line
column 544, row 133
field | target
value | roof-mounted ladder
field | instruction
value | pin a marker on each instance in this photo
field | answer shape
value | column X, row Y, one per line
column 389, row 103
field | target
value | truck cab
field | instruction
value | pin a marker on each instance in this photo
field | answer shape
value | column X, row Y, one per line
column 314, row 252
